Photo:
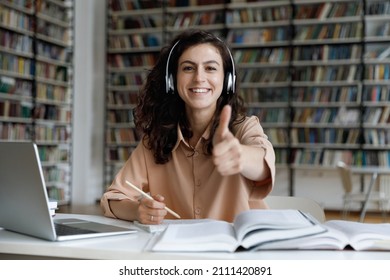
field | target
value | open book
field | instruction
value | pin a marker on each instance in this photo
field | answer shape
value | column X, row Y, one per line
column 249, row 229
column 341, row 234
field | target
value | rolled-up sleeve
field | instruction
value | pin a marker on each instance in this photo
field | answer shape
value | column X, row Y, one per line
column 134, row 170
column 251, row 133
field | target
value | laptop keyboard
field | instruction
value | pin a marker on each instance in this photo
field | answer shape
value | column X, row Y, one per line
column 68, row 230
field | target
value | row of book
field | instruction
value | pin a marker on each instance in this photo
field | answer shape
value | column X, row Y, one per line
column 52, row 71
column 326, row 94
column 265, row 13
column 54, row 10
column 52, row 112
column 281, row 156
column 121, row 79
column 136, row 22
column 25, row 66
column 57, row 194
column 315, row 115
column 15, row 87
column 377, row 72
column 258, row 35
column 377, row 93
column 329, row 158
column 376, row 115
column 56, row 173
column 332, row 73
column 121, row 98
column 327, row 52
column 379, row 8
column 332, row 115
column 329, row 31
column 270, row 115
column 322, row 157
column 264, row 75
column 15, row 131
column 277, row 136
column 134, row 41
column 123, row 5
column 331, row 136
column 381, row 52
column 16, row 64
column 314, row 94
column 15, row 19
column 23, row 131
column 26, row 4
column 54, row 154
column 120, row 116
column 190, row 19
column 258, row 14
column 49, row 8
column 53, row 52
column 52, row 134
column 328, row 10
column 126, row 135
column 53, row 31
column 383, row 30
column 377, row 137
column 56, row 93
column 15, row 109
column 16, row 42
column 132, row 60
column 255, row 95
column 263, row 55
column 120, row 154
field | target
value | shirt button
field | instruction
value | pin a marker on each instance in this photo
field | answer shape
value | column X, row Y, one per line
column 198, row 183
column 197, row 211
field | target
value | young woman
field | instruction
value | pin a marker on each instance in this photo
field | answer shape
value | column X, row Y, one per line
column 199, row 155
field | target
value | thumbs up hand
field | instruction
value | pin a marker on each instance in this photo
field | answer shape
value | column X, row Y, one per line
column 227, row 149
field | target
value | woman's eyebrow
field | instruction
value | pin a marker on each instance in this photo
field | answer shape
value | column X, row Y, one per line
column 206, row 62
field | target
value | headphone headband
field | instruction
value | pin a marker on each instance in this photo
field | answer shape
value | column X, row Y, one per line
column 230, row 77
column 168, row 77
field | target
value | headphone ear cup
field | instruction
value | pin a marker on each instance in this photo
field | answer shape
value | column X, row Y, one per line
column 229, row 83
column 170, row 84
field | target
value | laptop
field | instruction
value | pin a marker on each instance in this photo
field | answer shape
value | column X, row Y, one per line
column 24, row 204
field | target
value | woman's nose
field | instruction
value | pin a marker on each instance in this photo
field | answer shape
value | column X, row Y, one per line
column 199, row 75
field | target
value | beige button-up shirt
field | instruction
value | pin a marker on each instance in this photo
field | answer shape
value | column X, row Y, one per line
column 190, row 183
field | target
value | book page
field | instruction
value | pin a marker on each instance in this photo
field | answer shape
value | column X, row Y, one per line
column 362, row 236
column 331, row 239
column 197, row 237
column 270, row 219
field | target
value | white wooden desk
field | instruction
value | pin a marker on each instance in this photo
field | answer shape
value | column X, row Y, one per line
column 374, row 172
column 131, row 246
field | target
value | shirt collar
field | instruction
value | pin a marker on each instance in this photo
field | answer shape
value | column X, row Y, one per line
column 180, row 137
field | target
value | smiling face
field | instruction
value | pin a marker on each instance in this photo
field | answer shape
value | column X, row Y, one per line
column 200, row 77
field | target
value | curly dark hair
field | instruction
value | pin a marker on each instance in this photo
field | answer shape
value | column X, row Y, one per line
column 158, row 113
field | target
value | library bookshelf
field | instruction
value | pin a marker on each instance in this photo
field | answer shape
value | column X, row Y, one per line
column 36, row 47
column 315, row 72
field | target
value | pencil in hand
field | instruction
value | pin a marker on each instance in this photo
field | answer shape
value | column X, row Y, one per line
column 148, row 196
